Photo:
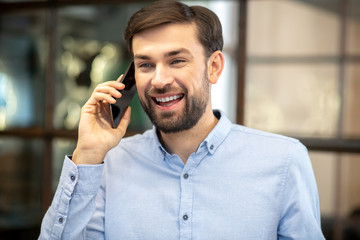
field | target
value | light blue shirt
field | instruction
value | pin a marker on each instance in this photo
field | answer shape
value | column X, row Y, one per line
column 239, row 184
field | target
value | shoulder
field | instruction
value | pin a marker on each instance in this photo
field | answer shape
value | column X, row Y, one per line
column 260, row 137
column 238, row 139
column 238, row 134
column 267, row 147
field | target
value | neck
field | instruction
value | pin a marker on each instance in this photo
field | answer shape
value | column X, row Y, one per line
column 186, row 142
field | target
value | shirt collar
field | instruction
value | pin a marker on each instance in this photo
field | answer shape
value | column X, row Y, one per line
column 213, row 140
column 158, row 143
column 219, row 133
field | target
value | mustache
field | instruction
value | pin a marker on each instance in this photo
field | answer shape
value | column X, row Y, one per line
column 167, row 89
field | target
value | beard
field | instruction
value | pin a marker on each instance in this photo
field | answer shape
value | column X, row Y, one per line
column 170, row 121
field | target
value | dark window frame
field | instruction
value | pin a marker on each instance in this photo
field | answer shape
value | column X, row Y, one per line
column 48, row 134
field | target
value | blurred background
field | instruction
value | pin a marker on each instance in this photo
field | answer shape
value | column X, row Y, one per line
column 292, row 67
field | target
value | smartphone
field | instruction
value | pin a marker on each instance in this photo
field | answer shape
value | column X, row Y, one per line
column 118, row 109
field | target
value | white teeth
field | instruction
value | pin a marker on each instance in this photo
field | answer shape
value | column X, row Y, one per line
column 168, row 99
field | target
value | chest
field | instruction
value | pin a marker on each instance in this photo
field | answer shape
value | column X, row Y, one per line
column 210, row 201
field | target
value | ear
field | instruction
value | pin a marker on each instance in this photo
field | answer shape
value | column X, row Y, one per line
column 215, row 66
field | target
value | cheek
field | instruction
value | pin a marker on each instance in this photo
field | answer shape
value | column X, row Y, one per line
column 197, row 83
column 140, row 84
column 141, row 93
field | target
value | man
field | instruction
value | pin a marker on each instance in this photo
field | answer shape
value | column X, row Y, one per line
column 194, row 175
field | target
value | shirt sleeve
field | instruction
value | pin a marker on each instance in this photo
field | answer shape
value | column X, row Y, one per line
column 74, row 202
column 300, row 218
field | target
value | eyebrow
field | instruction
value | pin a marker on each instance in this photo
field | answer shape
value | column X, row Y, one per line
column 177, row 51
column 168, row 54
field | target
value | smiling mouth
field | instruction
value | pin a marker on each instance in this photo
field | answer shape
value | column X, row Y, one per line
column 168, row 101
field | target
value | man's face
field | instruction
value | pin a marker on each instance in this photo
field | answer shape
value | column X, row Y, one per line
column 171, row 76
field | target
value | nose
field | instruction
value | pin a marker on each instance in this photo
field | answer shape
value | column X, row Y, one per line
column 162, row 77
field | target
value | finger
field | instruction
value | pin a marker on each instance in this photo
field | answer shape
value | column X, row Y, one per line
column 110, row 84
column 124, row 122
column 108, row 90
column 104, row 97
column 119, row 78
column 97, row 97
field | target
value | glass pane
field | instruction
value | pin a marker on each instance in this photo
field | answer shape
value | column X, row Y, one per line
column 296, row 99
column 350, row 195
column 61, row 147
column 350, row 183
column 325, row 170
column 338, row 180
column 353, row 30
column 293, row 28
column 20, row 187
column 22, row 60
column 351, row 125
column 325, row 165
column 91, row 51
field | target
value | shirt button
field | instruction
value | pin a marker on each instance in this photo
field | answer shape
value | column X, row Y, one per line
column 162, row 150
column 72, row 177
column 211, row 147
column 186, row 176
column 60, row 220
column 185, row 217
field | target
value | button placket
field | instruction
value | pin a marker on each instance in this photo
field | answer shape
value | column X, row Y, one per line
column 186, row 204
column 187, row 192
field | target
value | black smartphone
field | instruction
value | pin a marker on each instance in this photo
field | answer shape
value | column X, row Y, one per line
column 118, row 109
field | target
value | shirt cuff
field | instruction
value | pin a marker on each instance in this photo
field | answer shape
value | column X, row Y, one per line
column 85, row 178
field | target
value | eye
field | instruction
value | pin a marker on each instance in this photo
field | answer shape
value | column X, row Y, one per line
column 144, row 65
column 177, row 61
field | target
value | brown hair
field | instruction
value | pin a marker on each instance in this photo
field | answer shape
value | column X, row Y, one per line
column 164, row 12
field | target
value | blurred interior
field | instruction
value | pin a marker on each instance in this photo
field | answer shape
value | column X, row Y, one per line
column 292, row 67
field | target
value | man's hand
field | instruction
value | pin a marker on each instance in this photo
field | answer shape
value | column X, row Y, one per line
column 96, row 136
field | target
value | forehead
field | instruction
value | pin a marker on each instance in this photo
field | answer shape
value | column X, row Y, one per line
column 166, row 38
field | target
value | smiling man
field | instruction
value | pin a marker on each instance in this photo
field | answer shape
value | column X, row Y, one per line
column 173, row 83
column 173, row 80
column 195, row 175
